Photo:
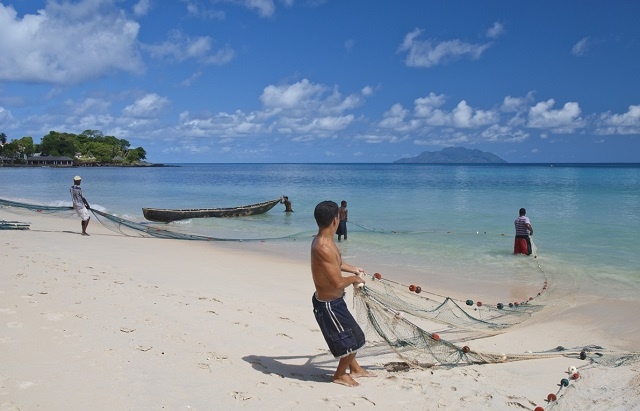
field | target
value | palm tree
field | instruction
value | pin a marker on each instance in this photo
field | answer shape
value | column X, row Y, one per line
column 3, row 138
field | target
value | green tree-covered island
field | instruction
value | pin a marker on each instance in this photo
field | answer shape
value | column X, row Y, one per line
column 88, row 148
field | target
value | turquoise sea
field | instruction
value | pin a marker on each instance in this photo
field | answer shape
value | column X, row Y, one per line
column 442, row 226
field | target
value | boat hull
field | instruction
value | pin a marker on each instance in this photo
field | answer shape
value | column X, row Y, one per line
column 167, row 215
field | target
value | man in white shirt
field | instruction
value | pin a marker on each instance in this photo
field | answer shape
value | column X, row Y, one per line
column 80, row 204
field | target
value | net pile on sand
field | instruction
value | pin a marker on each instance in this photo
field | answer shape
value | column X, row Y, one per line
column 13, row 225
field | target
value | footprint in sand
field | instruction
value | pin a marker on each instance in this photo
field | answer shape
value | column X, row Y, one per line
column 240, row 396
column 54, row 316
column 7, row 311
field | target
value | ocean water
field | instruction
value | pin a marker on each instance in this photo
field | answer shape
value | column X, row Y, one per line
column 442, row 226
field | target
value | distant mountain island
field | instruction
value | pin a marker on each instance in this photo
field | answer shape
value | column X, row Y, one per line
column 453, row 155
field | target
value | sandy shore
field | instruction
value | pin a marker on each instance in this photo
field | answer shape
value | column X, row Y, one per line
column 109, row 322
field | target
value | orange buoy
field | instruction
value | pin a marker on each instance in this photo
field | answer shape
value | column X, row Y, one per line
column 466, row 349
column 530, row 298
column 412, row 288
column 539, row 409
column 435, row 336
column 552, row 397
column 479, row 303
column 576, row 376
column 377, row 276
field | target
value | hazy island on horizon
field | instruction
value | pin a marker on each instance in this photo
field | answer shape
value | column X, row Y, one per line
column 453, row 155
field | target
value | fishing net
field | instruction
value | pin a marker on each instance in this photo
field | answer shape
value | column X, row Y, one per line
column 13, row 225
column 34, row 207
column 406, row 335
column 462, row 321
column 132, row 228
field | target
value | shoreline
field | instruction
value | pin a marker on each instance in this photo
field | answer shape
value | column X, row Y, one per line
column 196, row 325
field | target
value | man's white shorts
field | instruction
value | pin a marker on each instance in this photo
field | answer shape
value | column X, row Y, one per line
column 83, row 213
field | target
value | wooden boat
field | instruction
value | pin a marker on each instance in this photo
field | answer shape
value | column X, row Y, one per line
column 167, row 215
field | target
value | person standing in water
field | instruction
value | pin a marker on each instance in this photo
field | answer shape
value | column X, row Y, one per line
column 522, row 244
column 343, row 215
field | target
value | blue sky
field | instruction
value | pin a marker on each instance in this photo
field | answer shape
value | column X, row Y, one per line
column 327, row 80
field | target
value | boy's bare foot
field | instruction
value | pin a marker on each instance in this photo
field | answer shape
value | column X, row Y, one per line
column 346, row 380
column 362, row 373
column 85, row 234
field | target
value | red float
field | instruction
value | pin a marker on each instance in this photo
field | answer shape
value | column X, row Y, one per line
column 377, row 276
column 466, row 349
column 552, row 397
column 479, row 303
column 530, row 298
column 539, row 409
column 435, row 337
column 576, row 376
column 412, row 288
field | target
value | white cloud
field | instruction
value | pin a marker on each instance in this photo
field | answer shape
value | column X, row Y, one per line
column 427, row 53
column 465, row 116
column 517, row 104
column 581, row 47
column 196, row 9
column 496, row 30
column 180, row 47
column 265, row 8
column 302, row 94
column 149, row 106
column 5, row 116
column 497, row 133
column 626, row 123
column 90, row 106
column 142, row 7
column 349, row 44
column 67, row 43
column 373, row 138
column 394, row 117
column 303, row 110
column 565, row 120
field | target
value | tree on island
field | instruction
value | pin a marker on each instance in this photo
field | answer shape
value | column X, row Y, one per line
column 88, row 146
column 3, row 138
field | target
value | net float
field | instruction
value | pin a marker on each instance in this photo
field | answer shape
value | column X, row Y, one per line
column 500, row 306
column 435, row 336
column 469, row 302
column 479, row 303
column 572, row 370
column 539, row 409
column 576, row 376
column 564, row 382
column 377, row 276
column 583, row 355
column 552, row 397
column 466, row 349
column 418, row 289
column 412, row 288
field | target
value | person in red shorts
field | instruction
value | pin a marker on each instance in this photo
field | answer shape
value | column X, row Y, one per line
column 522, row 244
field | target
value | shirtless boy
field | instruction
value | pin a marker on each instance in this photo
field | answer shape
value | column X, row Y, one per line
column 340, row 330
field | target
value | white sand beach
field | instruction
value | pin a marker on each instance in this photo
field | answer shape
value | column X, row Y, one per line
column 110, row 322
